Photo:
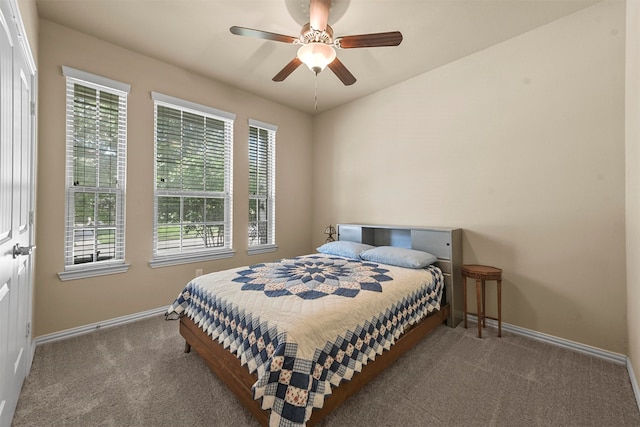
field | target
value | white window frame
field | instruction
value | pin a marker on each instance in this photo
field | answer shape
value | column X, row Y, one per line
column 183, row 256
column 270, row 197
column 116, row 264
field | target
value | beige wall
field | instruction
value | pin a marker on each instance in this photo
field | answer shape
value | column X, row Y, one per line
column 522, row 146
column 63, row 305
column 633, row 182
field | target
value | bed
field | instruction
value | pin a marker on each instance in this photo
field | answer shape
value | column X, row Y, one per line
column 293, row 339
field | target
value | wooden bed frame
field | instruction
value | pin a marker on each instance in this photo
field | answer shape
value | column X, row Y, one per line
column 228, row 368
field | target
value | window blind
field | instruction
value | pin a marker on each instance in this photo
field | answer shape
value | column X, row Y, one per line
column 96, row 128
column 193, row 203
column 261, row 183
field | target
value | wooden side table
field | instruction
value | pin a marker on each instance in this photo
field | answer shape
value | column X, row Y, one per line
column 482, row 273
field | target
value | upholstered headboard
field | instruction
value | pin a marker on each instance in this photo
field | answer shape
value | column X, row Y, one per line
column 444, row 243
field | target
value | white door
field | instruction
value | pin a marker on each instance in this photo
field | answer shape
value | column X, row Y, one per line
column 17, row 149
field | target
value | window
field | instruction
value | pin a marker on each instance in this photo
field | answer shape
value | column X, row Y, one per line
column 262, row 155
column 96, row 175
column 193, row 196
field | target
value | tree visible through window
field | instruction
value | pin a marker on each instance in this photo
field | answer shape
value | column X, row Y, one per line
column 262, row 139
column 193, row 178
column 96, row 165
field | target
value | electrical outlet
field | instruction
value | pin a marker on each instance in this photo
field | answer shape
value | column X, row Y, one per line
column 199, row 272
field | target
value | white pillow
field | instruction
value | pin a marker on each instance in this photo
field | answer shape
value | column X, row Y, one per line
column 344, row 248
column 401, row 257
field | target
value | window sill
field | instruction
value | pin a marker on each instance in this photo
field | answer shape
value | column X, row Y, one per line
column 169, row 260
column 262, row 249
column 74, row 273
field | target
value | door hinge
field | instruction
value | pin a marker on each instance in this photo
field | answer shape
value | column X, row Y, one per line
column 33, row 108
column 28, row 329
column 30, row 217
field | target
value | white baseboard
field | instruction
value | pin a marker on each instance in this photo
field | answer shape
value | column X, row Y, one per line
column 634, row 383
column 618, row 358
column 68, row 333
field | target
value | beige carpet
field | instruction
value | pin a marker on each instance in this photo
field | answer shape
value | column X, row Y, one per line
column 138, row 375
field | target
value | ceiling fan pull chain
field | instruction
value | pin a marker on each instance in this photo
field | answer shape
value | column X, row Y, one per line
column 315, row 96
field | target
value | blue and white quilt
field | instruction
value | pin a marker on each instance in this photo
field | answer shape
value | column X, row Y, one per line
column 304, row 324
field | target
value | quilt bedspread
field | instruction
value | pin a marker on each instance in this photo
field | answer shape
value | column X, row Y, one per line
column 304, row 324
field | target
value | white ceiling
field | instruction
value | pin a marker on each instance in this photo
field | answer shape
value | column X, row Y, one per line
column 194, row 35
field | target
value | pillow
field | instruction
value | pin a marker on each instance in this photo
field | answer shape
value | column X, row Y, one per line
column 400, row 257
column 344, row 248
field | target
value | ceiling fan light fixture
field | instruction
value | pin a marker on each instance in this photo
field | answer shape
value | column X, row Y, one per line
column 316, row 56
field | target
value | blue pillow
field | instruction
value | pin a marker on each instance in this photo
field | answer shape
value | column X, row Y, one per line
column 344, row 248
column 401, row 257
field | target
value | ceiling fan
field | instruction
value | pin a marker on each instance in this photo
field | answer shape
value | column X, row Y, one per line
column 317, row 43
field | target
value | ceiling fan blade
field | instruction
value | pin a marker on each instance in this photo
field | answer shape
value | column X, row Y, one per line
column 242, row 31
column 288, row 69
column 341, row 72
column 319, row 14
column 393, row 38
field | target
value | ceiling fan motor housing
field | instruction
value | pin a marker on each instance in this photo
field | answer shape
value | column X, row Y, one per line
column 310, row 35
